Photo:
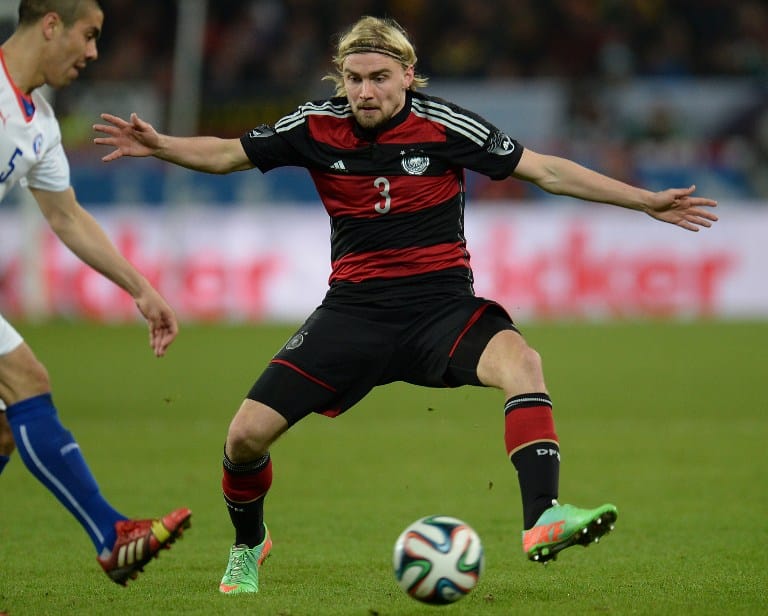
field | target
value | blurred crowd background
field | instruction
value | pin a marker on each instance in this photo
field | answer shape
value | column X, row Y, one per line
column 282, row 45
column 652, row 91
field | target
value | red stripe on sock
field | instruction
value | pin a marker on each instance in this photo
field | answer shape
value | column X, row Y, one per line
column 247, row 488
column 523, row 426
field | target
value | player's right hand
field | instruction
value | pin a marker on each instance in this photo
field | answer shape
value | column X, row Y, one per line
column 133, row 137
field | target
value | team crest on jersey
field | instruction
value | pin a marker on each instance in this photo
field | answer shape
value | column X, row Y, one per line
column 261, row 131
column 37, row 145
column 501, row 144
column 415, row 163
column 295, row 342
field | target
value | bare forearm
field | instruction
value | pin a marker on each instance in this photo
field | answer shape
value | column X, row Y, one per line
column 207, row 154
column 560, row 176
column 135, row 137
column 78, row 230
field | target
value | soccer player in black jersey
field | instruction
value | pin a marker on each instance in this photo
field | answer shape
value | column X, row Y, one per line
column 389, row 162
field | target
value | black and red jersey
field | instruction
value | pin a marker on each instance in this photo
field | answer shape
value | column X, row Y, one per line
column 395, row 195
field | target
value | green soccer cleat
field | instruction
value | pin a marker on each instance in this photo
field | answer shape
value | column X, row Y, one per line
column 242, row 574
column 562, row 526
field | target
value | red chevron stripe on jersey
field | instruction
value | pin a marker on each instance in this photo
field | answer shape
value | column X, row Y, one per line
column 399, row 263
column 361, row 196
column 337, row 132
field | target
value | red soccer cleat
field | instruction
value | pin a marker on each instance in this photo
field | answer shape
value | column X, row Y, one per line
column 139, row 541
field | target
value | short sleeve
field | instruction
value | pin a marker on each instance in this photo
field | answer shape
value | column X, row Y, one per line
column 51, row 172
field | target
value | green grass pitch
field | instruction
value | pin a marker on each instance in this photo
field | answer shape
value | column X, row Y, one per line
column 666, row 420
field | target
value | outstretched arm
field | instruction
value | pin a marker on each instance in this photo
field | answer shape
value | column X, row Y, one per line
column 560, row 176
column 83, row 236
column 135, row 137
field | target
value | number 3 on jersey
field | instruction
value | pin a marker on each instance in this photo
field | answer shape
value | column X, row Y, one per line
column 382, row 185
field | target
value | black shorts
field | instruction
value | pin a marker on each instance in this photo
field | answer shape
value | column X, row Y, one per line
column 336, row 357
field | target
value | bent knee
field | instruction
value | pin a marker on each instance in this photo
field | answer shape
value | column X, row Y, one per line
column 510, row 364
column 252, row 431
column 530, row 363
column 523, row 373
column 22, row 376
column 38, row 379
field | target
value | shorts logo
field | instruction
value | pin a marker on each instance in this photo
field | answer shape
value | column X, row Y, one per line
column 295, row 342
column 415, row 163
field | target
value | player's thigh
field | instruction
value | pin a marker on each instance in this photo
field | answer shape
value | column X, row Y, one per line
column 326, row 367
column 21, row 373
column 477, row 329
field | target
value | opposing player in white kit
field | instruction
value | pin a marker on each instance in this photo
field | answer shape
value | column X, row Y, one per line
column 54, row 41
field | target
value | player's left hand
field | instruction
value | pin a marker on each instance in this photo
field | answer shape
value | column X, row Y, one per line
column 162, row 322
column 676, row 206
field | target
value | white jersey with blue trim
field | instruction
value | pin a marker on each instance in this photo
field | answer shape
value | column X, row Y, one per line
column 30, row 140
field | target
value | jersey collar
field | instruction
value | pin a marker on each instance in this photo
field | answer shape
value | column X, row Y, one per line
column 26, row 104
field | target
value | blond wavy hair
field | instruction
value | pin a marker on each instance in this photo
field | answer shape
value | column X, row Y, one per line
column 374, row 35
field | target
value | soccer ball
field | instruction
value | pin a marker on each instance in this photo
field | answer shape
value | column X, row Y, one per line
column 438, row 559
